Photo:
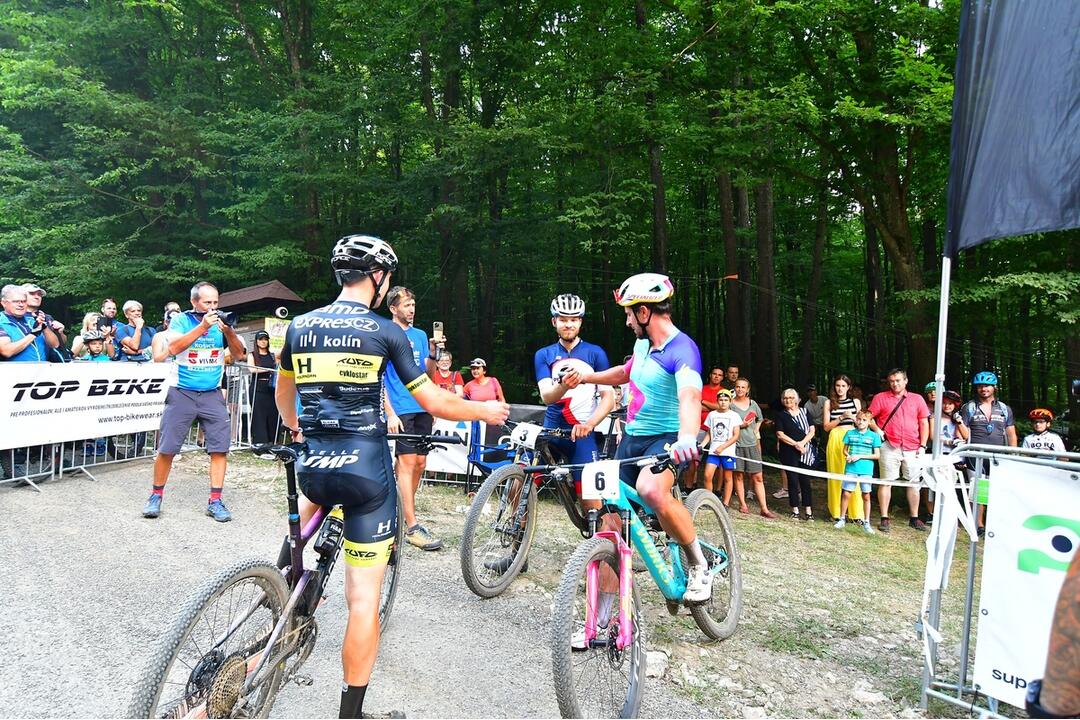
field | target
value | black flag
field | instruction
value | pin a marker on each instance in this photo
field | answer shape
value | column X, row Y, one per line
column 1014, row 165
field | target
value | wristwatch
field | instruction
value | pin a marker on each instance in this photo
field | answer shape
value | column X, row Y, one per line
column 1031, row 703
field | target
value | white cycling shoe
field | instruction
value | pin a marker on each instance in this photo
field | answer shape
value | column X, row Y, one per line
column 698, row 585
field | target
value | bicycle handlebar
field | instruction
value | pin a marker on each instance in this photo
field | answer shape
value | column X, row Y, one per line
column 641, row 461
column 291, row 452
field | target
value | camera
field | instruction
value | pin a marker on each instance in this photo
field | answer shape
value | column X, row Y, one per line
column 281, row 312
column 229, row 318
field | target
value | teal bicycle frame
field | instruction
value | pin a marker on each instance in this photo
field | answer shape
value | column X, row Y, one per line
column 669, row 575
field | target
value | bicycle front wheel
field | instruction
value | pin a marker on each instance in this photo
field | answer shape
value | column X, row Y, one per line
column 200, row 665
column 393, row 573
column 498, row 531
column 719, row 616
column 600, row 681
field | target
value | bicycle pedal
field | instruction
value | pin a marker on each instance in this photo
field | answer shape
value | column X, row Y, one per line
column 304, row 680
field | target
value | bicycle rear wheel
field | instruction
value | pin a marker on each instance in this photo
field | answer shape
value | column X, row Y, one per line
column 496, row 538
column 601, row 681
column 719, row 616
column 393, row 573
column 218, row 637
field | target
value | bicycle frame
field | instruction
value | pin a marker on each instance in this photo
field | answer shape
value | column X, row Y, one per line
column 669, row 575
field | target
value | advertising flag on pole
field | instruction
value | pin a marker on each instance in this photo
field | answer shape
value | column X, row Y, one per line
column 1014, row 165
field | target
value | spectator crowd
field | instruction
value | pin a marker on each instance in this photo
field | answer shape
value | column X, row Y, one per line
column 843, row 432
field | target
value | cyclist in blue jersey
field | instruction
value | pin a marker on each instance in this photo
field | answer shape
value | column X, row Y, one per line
column 578, row 410
column 582, row 408
column 664, row 412
column 334, row 360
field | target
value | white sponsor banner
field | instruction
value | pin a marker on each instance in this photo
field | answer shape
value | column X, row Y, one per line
column 44, row 403
column 451, row 458
column 1032, row 532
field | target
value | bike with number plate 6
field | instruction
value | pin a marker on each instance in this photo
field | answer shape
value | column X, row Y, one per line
column 597, row 640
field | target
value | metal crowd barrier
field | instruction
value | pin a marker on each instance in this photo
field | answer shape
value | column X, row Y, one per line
column 29, row 466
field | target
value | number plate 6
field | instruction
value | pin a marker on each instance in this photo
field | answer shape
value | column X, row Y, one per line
column 600, row 480
column 525, row 435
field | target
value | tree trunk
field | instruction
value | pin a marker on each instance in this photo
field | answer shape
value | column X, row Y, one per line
column 804, row 371
column 768, row 331
column 742, row 222
column 733, row 289
column 875, row 344
column 656, row 169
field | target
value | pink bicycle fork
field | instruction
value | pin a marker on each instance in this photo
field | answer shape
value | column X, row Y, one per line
column 592, row 591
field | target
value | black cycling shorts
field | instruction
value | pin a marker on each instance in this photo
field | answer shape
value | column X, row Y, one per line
column 414, row 424
column 357, row 473
column 639, row 446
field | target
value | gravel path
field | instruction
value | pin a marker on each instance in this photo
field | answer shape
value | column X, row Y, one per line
column 88, row 582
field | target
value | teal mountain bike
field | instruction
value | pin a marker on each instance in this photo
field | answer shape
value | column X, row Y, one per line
column 598, row 663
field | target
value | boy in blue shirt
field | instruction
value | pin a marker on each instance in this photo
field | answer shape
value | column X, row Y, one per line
column 861, row 451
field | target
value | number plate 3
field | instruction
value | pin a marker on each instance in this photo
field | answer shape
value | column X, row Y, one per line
column 525, row 435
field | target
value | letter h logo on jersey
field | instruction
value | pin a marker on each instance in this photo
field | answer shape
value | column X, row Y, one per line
column 303, row 365
column 384, row 527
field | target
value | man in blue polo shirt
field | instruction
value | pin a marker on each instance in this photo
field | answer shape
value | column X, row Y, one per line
column 404, row 415
column 23, row 337
column 197, row 339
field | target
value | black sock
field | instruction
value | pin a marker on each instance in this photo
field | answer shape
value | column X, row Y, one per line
column 352, row 701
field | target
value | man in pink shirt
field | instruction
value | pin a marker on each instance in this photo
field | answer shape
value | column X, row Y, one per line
column 904, row 420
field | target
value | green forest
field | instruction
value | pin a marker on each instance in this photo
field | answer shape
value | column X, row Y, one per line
column 784, row 161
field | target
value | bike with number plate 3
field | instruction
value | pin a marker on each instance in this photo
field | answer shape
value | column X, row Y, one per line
column 597, row 640
column 501, row 521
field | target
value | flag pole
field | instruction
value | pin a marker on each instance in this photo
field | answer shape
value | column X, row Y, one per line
column 934, row 610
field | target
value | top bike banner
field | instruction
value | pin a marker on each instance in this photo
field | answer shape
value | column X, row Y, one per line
column 44, row 403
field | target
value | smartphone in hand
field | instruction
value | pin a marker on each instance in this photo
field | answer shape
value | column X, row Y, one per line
column 437, row 331
column 750, row 417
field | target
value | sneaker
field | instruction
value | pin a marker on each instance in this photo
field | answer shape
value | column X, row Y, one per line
column 780, row 494
column 840, row 524
column 152, row 509
column 501, row 566
column 869, row 528
column 218, row 511
column 808, row 517
column 698, row 585
column 917, row 524
column 422, row 538
column 885, row 526
column 794, row 516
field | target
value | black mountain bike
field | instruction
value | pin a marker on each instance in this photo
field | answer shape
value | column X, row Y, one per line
column 250, row 627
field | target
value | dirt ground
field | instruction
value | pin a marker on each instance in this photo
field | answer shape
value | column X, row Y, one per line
column 827, row 627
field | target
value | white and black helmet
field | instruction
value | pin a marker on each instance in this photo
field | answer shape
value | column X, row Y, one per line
column 568, row 306
column 361, row 254
column 92, row 335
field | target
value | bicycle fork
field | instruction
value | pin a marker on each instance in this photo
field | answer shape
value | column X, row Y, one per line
column 626, row 578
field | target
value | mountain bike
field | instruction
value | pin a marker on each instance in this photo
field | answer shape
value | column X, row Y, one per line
column 249, row 628
column 604, row 675
column 499, row 527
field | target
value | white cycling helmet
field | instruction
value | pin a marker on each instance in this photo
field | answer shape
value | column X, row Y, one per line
column 568, row 306
column 361, row 254
column 644, row 288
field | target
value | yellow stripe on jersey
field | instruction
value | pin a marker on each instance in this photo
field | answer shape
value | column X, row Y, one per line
column 350, row 368
column 418, row 383
column 368, row 554
column 286, row 373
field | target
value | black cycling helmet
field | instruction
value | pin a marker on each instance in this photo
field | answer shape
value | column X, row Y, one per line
column 356, row 255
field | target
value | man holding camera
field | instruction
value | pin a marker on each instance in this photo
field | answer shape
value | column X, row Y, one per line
column 197, row 339
column 24, row 336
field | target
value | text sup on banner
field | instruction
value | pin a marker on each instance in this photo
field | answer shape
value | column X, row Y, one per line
column 1032, row 533
column 44, row 403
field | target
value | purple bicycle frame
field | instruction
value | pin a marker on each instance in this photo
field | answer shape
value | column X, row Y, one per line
column 626, row 579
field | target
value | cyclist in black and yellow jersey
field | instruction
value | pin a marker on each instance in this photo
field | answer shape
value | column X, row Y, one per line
column 334, row 358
